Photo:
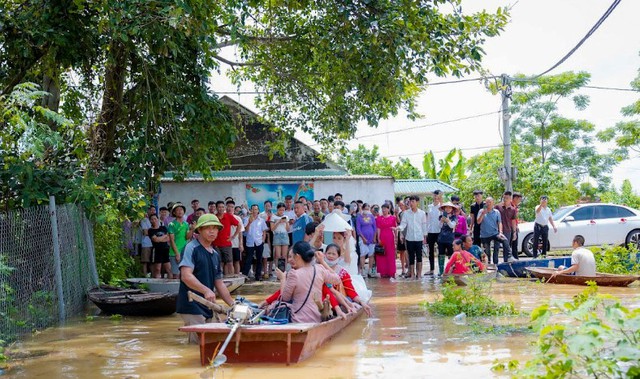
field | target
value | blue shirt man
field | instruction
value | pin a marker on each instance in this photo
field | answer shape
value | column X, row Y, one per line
column 302, row 219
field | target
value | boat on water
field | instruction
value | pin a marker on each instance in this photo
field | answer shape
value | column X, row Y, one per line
column 601, row 279
column 465, row 279
column 133, row 302
column 173, row 285
column 268, row 343
column 518, row 269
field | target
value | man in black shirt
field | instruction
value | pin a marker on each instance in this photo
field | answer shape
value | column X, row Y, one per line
column 160, row 240
column 475, row 208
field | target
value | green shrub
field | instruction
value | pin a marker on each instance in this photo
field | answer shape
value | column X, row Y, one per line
column 471, row 299
column 113, row 262
column 616, row 260
column 591, row 336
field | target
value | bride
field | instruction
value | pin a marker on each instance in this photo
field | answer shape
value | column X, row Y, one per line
column 340, row 231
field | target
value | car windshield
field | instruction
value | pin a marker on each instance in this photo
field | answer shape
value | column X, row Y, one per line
column 561, row 213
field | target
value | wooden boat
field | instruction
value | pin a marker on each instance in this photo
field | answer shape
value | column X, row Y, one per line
column 173, row 285
column 266, row 343
column 517, row 269
column 465, row 279
column 133, row 302
column 601, row 279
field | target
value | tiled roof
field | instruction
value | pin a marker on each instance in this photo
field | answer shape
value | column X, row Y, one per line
column 272, row 175
column 421, row 186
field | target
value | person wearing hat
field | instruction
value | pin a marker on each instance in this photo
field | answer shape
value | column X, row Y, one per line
column 201, row 272
column 448, row 221
column 179, row 234
column 475, row 208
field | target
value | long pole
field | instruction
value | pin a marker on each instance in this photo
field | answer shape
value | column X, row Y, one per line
column 506, row 131
column 57, row 262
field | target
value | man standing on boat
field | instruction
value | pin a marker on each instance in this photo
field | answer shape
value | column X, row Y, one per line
column 201, row 272
column 583, row 262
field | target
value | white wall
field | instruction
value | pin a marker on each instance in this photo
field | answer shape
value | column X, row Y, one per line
column 367, row 190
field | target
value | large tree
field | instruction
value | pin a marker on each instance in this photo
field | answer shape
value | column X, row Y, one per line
column 546, row 137
column 142, row 66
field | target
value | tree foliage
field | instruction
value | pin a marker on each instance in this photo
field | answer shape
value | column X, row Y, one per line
column 532, row 181
column 133, row 76
column 363, row 161
column 548, row 138
column 627, row 133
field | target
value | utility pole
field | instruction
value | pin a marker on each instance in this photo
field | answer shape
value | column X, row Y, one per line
column 509, row 172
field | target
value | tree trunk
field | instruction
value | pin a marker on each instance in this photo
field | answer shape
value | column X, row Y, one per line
column 104, row 132
column 51, row 84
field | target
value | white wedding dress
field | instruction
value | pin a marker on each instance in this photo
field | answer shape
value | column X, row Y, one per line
column 352, row 268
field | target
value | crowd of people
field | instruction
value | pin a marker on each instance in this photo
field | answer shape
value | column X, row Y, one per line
column 253, row 242
column 322, row 250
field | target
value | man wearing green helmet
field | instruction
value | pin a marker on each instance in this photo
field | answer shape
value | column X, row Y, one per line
column 201, row 272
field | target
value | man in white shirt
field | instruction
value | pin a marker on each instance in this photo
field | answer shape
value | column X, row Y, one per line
column 414, row 223
column 583, row 262
column 433, row 227
column 256, row 235
column 544, row 217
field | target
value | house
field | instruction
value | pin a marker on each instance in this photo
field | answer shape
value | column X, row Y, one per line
column 254, row 176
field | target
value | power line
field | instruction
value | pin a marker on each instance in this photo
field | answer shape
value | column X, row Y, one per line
column 427, row 125
column 612, row 88
column 442, row 151
column 421, row 126
column 589, row 33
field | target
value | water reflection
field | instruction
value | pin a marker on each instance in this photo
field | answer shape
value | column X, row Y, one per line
column 401, row 340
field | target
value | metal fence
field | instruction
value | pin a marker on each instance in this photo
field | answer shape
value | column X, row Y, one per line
column 47, row 263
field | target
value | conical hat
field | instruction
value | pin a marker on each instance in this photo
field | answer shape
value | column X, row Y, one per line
column 333, row 222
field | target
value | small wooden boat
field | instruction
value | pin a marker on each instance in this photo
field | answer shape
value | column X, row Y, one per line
column 517, row 269
column 173, row 285
column 601, row 279
column 266, row 343
column 233, row 282
column 133, row 302
column 465, row 279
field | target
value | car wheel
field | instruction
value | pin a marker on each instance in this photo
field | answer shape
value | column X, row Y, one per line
column 527, row 246
column 633, row 239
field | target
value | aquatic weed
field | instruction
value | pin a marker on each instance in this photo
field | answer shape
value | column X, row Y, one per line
column 471, row 299
column 592, row 335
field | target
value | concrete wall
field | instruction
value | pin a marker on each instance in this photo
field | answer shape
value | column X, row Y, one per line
column 368, row 190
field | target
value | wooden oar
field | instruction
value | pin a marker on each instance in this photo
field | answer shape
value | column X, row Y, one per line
column 209, row 304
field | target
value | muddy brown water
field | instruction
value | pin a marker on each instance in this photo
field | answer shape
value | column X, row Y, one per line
column 401, row 340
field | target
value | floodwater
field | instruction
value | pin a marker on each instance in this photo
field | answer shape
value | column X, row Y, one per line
column 401, row 340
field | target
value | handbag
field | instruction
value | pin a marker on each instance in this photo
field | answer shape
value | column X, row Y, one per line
column 281, row 313
column 379, row 249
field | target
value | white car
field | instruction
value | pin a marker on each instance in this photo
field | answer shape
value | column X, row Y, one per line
column 598, row 223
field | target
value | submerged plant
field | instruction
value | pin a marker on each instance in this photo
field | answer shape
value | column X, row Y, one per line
column 592, row 336
column 617, row 259
column 472, row 300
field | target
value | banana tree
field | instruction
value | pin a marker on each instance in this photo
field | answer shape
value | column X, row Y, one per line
column 449, row 169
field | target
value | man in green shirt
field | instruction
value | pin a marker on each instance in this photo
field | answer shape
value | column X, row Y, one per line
column 179, row 234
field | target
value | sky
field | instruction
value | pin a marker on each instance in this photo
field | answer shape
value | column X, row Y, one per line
column 539, row 33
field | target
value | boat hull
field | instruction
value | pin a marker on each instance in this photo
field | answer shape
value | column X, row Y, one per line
column 133, row 302
column 289, row 343
column 519, row 269
column 606, row 280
